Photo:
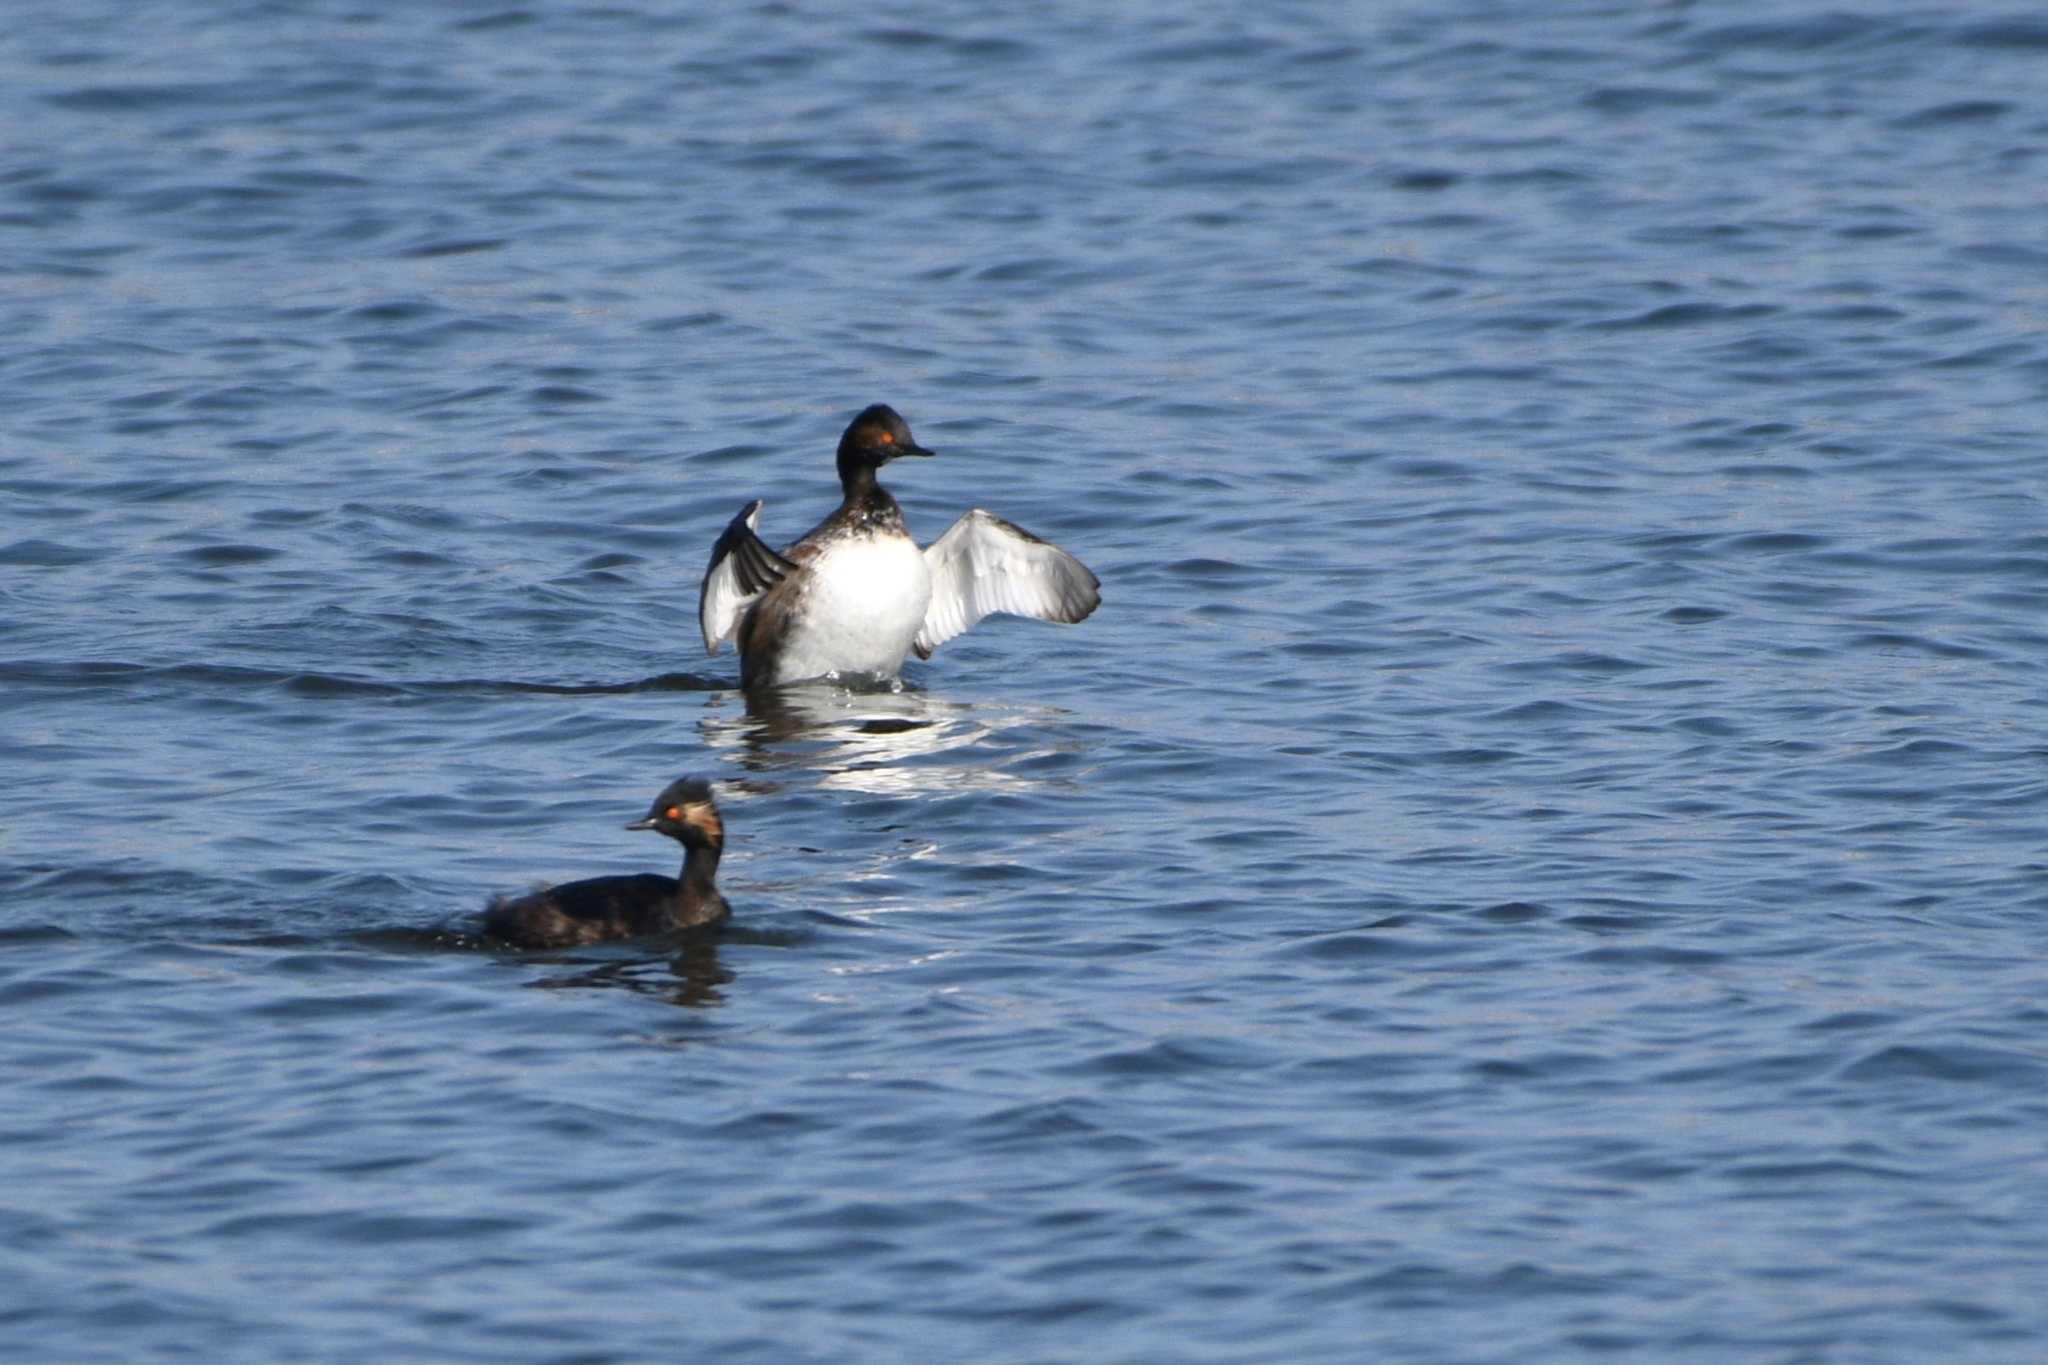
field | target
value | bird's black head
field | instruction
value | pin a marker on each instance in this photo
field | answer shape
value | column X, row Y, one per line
column 873, row 439
column 686, row 812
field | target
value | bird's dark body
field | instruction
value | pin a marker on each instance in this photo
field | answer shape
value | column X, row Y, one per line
column 601, row 908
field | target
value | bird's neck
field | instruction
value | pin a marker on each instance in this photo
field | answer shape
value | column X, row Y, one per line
column 697, row 898
column 867, row 504
column 857, row 478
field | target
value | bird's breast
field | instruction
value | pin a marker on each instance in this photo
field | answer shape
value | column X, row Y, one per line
column 857, row 609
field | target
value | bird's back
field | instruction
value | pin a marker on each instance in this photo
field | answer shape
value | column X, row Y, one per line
column 585, row 912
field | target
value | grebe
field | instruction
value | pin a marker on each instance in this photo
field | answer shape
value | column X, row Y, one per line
column 856, row 594
column 629, row 907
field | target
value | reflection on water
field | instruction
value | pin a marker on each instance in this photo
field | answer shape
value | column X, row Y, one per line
column 881, row 742
column 685, row 970
column 691, row 978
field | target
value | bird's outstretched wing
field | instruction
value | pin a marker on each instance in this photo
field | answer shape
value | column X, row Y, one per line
column 984, row 564
column 742, row 568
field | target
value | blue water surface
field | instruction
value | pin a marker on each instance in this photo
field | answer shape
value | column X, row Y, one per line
column 1538, row 856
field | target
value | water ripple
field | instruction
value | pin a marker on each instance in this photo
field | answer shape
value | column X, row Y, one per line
column 1537, row 854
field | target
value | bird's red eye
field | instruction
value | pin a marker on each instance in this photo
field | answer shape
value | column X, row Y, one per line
column 886, row 439
column 674, row 812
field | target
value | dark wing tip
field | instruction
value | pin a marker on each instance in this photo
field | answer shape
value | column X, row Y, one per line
column 1077, row 589
column 759, row 568
column 1078, row 603
column 755, row 566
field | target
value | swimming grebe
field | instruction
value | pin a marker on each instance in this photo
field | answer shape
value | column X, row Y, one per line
column 856, row 595
column 629, row 907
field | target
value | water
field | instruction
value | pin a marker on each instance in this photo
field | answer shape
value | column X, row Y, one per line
column 1537, row 857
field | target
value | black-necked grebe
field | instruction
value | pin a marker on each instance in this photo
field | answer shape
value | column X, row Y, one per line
column 856, row 595
column 629, row 907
